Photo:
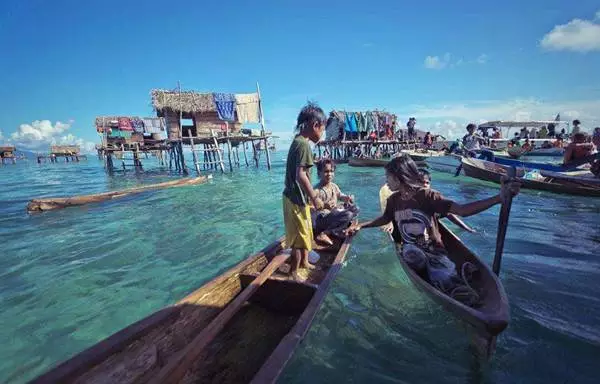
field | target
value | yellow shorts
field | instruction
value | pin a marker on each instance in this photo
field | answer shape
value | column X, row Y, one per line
column 298, row 225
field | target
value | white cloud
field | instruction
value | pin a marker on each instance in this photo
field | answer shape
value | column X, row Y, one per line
column 447, row 61
column 482, row 59
column 434, row 62
column 577, row 35
column 450, row 119
column 40, row 134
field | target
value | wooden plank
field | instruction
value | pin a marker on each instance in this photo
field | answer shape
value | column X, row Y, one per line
column 70, row 369
column 178, row 366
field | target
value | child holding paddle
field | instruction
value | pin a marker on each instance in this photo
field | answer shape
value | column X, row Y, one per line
column 298, row 190
column 413, row 209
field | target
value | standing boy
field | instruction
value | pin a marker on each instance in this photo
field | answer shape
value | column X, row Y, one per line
column 298, row 190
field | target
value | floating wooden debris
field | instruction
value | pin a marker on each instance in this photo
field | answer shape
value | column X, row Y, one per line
column 49, row 204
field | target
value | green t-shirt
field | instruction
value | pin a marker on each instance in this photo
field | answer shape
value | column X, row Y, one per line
column 299, row 155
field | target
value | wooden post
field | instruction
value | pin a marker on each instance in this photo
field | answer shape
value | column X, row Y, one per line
column 243, row 143
column 218, row 150
column 194, row 155
column 503, row 223
column 262, row 124
column 228, row 147
column 255, row 154
column 237, row 155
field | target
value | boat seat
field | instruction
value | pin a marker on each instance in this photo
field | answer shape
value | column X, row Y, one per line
column 280, row 294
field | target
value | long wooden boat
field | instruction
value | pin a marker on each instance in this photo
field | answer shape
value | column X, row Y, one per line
column 489, row 171
column 491, row 316
column 369, row 162
column 488, row 319
column 517, row 152
column 243, row 326
column 421, row 154
column 52, row 203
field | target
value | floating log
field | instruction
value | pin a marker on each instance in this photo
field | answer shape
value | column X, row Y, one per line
column 49, row 204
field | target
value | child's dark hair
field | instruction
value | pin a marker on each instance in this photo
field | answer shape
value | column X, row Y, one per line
column 309, row 114
column 426, row 175
column 322, row 163
column 405, row 169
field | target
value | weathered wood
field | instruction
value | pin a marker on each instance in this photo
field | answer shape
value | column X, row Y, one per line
column 48, row 204
column 176, row 368
column 503, row 224
column 245, row 156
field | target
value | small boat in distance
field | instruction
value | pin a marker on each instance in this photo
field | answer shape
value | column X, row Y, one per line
column 490, row 171
column 370, row 162
column 243, row 326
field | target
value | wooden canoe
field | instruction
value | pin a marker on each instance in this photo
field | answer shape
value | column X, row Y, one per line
column 486, row 320
column 489, row 171
column 253, row 345
column 52, row 203
column 368, row 162
column 422, row 155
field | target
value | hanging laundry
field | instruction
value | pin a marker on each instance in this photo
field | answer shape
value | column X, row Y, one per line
column 334, row 128
column 248, row 109
column 360, row 126
column 225, row 104
column 370, row 121
column 138, row 125
column 351, row 122
column 124, row 124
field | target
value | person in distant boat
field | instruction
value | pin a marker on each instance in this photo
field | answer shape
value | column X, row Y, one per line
column 496, row 134
column 298, row 192
column 378, row 154
column 410, row 125
column 546, row 145
column 596, row 138
column 428, row 140
column 578, row 148
column 471, row 140
column 414, row 211
column 543, row 134
column 563, row 134
column 551, row 130
column 576, row 127
column 527, row 145
column 333, row 219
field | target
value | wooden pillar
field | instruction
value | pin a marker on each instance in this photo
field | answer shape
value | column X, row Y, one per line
column 182, row 159
column 237, row 155
column 243, row 143
column 268, row 154
column 229, row 154
column 194, row 155
column 255, row 154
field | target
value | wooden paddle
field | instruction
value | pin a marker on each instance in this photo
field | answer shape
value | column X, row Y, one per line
column 176, row 368
column 503, row 222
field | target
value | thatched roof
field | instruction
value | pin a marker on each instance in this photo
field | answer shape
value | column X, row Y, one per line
column 65, row 149
column 186, row 101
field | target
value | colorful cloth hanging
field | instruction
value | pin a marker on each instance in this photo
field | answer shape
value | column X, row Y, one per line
column 124, row 124
column 225, row 104
column 351, row 122
column 247, row 107
column 138, row 125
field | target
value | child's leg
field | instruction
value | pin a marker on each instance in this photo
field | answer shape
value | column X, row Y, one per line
column 295, row 262
column 305, row 263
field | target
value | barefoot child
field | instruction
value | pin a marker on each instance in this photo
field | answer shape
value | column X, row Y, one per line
column 298, row 190
column 333, row 219
column 413, row 209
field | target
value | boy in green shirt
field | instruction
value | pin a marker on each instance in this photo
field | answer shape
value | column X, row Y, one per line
column 298, row 190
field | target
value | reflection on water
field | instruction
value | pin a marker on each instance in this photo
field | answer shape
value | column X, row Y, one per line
column 70, row 278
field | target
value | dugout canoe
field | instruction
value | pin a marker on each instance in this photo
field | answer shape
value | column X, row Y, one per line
column 488, row 319
column 241, row 327
column 52, row 203
column 489, row 171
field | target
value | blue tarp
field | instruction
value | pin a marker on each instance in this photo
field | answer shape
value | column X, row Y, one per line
column 225, row 104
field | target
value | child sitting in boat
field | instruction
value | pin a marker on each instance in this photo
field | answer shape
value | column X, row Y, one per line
column 414, row 210
column 334, row 218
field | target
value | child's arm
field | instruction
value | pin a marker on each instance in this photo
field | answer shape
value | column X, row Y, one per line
column 475, row 207
column 302, row 177
column 456, row 220
column 378, row 222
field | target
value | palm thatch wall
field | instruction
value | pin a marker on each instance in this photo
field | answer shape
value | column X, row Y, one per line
column 199, row 107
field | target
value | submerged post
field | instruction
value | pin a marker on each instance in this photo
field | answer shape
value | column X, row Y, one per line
column 194, row 155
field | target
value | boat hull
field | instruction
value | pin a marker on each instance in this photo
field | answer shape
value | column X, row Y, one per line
column 448, row 163
column 254, row 346
column 488, row 171
column 367, row 162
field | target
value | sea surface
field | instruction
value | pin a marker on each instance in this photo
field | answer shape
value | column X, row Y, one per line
column 72, row 277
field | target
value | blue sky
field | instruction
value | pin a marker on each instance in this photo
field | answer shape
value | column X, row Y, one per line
column 447, row 63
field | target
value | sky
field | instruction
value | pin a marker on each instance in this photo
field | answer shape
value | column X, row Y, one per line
column 445, row 63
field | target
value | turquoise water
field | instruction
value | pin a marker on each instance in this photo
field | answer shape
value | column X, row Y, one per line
column 72, row 277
